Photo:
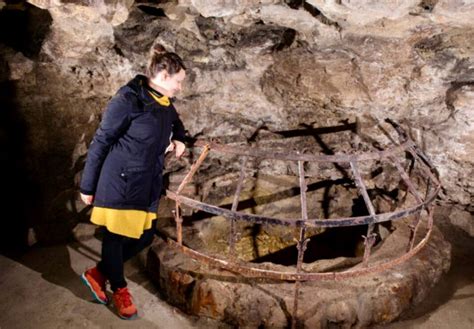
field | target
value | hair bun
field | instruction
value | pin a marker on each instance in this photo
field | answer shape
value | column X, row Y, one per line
column 158, row 49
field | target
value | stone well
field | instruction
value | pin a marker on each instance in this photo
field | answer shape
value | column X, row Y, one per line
column 299, row 239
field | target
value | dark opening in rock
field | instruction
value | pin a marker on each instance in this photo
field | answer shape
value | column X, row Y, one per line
column 428, row 5
column 332, row 243
column 24, row 27
column 154, row 11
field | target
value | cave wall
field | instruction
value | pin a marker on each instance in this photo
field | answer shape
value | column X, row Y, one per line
column 286, row 64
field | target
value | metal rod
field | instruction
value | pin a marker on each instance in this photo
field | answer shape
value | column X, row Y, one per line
column 369, row 238
column 302, row 243
column 179, row 224
column 416, row 222
column 411, row 149
column 177, row 216
column 235, row 203
column 406, row 179
column 304, row 213
column 194, row 168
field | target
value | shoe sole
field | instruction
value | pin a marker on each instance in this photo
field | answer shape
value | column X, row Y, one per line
column 96, row 297
column 134, row 316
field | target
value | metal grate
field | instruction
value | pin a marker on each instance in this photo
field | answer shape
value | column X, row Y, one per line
column 391, row 155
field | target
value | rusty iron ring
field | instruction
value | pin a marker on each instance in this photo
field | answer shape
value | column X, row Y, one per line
column 318, row 222
column 253, row 271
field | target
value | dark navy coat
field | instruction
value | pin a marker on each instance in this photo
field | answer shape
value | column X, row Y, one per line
column 126, row 156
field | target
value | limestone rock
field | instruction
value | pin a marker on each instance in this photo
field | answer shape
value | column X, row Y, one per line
column 221, row 8
column 115, row 11
column 463, row 219
column 285, row 64
column 349, row 14
column 18, row 65
column 307, row 81
column 77, row 31
column 464, row 118
column 80, row 27
column 456, row 13
column 300, row 20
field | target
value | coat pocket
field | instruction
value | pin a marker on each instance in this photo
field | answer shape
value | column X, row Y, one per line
column 138, row 185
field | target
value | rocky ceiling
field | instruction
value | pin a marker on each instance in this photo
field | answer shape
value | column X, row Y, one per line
column 284, row 64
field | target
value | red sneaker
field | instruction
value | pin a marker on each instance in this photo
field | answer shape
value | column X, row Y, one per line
column 123, row 304
column 93, row 279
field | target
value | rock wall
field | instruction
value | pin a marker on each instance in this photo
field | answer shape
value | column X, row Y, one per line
column 284, row 64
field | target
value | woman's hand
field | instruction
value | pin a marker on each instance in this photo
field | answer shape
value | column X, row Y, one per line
column 179, row 147
column 87, row 199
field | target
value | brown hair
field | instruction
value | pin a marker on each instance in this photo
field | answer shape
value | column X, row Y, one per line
column 161, row 59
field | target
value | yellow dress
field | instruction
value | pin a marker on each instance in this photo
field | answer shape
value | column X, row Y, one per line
column 129, row 223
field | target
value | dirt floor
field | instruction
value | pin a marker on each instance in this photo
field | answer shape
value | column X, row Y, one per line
column 42, row 289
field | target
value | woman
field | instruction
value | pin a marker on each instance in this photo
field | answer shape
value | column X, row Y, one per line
column 122, row 177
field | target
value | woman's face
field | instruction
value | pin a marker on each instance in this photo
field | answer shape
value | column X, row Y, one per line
column 168, row 85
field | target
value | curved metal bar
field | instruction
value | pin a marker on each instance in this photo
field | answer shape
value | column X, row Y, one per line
column 293, row 156
column 254, row 272
column 298, row 222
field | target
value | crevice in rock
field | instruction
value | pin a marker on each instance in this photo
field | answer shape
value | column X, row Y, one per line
column 428, row 5
column 215, row 31
column 152, row 10
column 269, row 38
column 451, row 94
column 136, row 35
column 118, row 51
column 430, row 44
column 294, row 4
column 24, row 28
column 286, row 40
column 152, row 3
column 316, row 13
column 432, row 49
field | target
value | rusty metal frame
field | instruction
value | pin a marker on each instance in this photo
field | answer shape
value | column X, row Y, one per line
column 304, row 222
column 252, row 270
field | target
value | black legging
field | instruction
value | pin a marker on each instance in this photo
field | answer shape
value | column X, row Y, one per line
column 116, row 250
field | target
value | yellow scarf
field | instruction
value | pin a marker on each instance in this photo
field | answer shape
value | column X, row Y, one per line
column 163, row 100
